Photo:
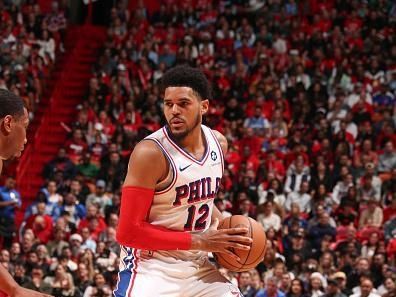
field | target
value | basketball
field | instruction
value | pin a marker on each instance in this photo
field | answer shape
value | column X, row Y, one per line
column 248, row 259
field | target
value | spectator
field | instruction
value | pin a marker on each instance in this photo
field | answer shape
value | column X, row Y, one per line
column 321, row 176
column 37, row 283
column 221, row 205
column 233, row 112
column 78, row 189
column 246, row 208
column 257, row 282
column 267, row 218
column 341, row 188
column 296, row 175
column 99, row 287
column 76, row 146
column 296, row 289
column 74, row 210
column 113, row 172
column 87, row 241
column 370, row 247
column 99, row 198
column 372, row 216
column 295, row 218
column 302, row 198
column 323, row 229
column 61, row 282
column 41, row 224
column 362, row 267
column 341, row 279
column 56, row 245
column 60, row 163
column 82, row 278
column 75, row 244
column 66, row 260
column 370, row 186
column 366, row 289
column 390, row 211
column 366, row 153
column 389, row 285
column 27, row 241
column 271, row 289
column 257, row 122
column 9, row 200
column 298, row 251
column 317, row 283
column 389, row 188
column 274, row 188
column 93, row 221
column 87, row 168
column 285, row 283
column 387, row 160
column 47, row 46
column 245, row 284
column 333, row 290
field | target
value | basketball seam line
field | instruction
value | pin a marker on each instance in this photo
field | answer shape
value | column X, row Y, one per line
column 262, row 253
column 251, row 236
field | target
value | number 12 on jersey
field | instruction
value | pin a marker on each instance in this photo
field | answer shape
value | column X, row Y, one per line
column 202, row 215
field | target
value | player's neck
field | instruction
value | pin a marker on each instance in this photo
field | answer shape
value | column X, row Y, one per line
column 194, row 141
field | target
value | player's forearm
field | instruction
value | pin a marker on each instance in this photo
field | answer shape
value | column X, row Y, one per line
column 134, row 231
column 7, row 283
column 150, row 237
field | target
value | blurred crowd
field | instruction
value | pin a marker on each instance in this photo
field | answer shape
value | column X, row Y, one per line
column 29, row 42
column 304, row 91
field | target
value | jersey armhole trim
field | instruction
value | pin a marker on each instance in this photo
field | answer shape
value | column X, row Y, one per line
column 172, row 166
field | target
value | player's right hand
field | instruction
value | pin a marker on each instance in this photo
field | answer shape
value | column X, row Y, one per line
column 221, row 241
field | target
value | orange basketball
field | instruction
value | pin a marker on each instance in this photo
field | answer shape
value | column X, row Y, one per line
column 248, row 259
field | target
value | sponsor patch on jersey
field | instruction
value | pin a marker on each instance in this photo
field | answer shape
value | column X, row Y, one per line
column 213, row 155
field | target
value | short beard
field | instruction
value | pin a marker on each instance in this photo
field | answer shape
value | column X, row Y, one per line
column 181, row 135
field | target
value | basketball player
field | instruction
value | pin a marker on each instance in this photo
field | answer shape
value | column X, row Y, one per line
column 13, row 124
column 167, row 201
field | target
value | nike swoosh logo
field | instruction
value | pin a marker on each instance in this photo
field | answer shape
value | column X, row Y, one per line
column 184, row 168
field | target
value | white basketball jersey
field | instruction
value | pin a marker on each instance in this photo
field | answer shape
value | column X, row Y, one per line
column 187, row 203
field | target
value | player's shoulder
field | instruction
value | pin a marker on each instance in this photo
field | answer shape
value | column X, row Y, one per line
column 222, row 140
column 145, row 158
column 148, row 146
column 218, row 135
column 146, row 149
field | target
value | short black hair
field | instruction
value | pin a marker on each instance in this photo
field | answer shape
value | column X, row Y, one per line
column 10, row 103
column 187, row 76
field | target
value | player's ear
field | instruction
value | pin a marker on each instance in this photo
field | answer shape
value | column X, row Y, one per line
column 204, row 106
column 6, row 124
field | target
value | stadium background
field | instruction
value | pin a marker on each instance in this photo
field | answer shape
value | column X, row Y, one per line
column 303, row 90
